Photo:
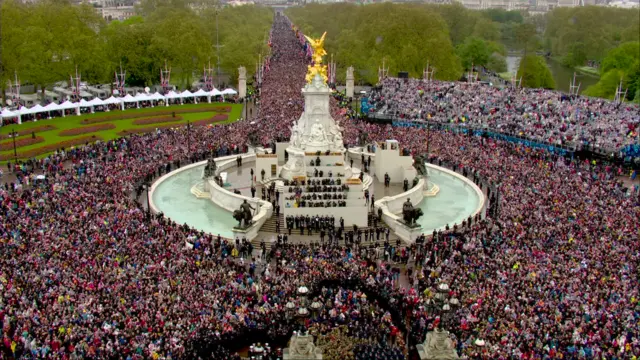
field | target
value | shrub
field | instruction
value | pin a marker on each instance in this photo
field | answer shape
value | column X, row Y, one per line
column 125, row 116
column 157, row 120
column 213, row 119
column 36, row 129
column 86, row 129
column 51, row 147
column 20, row 142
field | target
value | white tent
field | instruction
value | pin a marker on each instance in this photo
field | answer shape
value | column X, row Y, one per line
column 201, row 92
column 186, row 94
column 129, row 98
column 172, row 95
column 216, row 92
column 96, row 102
column 7, row 114
column 36, row 109
column 112, row 100
column 84, row 103
column 156, row 97
column 67, row 105
column 52, row 107
column 229, row 91
column 141, row 97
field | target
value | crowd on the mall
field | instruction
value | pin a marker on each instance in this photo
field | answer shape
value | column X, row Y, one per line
column 537, row 114
column 85, row 273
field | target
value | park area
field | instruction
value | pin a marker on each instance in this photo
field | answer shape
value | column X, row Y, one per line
column 39, row 138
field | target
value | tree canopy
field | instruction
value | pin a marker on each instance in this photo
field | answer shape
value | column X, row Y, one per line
column 406, row 37
column 621, row 63
column 535, row 73
column 588, row 33
column 45, row 49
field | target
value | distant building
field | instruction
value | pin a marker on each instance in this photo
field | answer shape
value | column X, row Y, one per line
column 495, row 4
column 117, row 12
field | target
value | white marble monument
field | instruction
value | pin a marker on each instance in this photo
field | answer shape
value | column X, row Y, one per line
column 242, row 82
column 437, row 346
column 315, row 131
column 301, row 347
column 350, row 82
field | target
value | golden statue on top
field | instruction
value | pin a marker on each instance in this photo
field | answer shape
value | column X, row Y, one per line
column 318, row 52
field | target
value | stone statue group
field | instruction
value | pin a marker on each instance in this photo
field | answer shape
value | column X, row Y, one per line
column 410, row 214
column 317, row 135
column 244, row 214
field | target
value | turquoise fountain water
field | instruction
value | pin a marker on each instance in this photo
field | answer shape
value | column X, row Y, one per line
column 456, row 201
column 174, row 198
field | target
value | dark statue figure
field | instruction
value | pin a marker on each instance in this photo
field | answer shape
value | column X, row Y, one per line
column 210, row 168
column 244, row 214
column 410, row 214
column 418, row 163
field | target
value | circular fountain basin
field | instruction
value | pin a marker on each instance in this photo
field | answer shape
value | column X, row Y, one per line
column 172, row 196
column 457, row 199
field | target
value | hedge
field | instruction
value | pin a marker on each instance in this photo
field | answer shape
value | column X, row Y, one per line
column 28, row 131
column 86, row 129
column 21, row 142
column 124, row 116
column 157, row 120
column 51, row 147
column 214, row 119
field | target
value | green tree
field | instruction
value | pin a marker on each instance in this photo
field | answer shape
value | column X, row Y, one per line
column 474, row 51
column 406, row 36
column 621, row 63
column 497, row 63
column 535, row 73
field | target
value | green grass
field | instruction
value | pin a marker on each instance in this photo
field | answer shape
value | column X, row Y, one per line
column 506, row 76
column 588, row 70
column 73, row 121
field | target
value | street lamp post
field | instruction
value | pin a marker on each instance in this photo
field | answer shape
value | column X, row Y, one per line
column 15, row 151
column 147, row 186
column 188, row 139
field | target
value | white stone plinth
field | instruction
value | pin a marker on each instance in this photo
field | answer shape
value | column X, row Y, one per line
column 437, row 346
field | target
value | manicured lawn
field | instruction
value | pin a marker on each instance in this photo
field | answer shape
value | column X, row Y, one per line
column 588, row 70
column 71, row 122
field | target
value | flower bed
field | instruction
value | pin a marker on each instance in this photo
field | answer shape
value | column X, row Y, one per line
column 20, row 142
column 101, row 119
column 28, row 131
column 86, row 129
column 157, row 120
column 214, row 119
column 51, row 147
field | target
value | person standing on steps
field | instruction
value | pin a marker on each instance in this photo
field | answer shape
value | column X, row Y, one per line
column 253, row 190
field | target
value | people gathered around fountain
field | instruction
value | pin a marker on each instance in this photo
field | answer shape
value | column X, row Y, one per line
column 86, row 273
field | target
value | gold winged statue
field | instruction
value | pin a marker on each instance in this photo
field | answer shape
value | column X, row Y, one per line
column 318, row 52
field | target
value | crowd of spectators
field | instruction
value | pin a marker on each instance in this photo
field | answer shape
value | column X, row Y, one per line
column 85, row 273
column 538, row 114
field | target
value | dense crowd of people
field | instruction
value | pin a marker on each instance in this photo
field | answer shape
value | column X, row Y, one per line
column 538, row 114
column 86, row 273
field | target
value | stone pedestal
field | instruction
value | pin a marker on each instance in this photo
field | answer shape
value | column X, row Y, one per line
column 301, row 347
column 350, row 82
column 437, row 346
column 242, row 82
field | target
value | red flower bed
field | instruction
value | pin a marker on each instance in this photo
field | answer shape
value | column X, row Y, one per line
column 157, row 120
column 20, row 142
column 51, row 148
column 214, row 119
column 28, row 131
column 86, row 129
column 101, row 119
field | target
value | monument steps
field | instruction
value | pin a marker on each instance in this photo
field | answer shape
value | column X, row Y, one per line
column 268, row 230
